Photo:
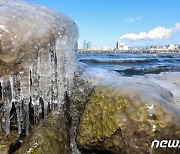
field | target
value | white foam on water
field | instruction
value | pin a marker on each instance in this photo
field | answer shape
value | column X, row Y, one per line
column 169, row 81
column 95, row 75
column 153, row 90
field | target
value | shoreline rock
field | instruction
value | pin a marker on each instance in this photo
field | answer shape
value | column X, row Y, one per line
column 116, row 122
column 51, row 136
column 37, row 62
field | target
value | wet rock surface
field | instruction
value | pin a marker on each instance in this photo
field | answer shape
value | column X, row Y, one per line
column 51, row 136
column 118, row 120
column 78, row 101
column 7, row 141
column 37, row 70
column 37, row 62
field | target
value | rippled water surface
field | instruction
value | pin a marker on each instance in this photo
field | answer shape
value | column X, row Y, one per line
column 128, row 64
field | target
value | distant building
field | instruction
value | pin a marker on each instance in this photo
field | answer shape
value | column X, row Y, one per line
column 121, row 46
column 156, row 47
column 89, row 45
column 171, row 47
column 176, row 46
column 85, row 44
column 164, row 47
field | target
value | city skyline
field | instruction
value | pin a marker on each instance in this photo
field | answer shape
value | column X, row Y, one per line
column 104, row 22
column 119, row 44
column 122, row 46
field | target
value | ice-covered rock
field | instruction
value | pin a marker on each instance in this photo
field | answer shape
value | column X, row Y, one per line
column 169, row 81
column 94, row 75
column 37, row 60
column 124, row 115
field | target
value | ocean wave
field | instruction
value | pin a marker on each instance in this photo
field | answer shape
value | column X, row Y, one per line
column 133, row 64
column 119, row 61
column 142, row 71
column 150, row 84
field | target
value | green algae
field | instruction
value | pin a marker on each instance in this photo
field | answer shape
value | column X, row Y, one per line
column 119, row 124
column 51, row 136
column 6, row 141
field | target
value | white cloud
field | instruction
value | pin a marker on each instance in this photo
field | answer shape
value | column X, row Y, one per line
column 131, row 20
column 177, row 26
column 154, row 34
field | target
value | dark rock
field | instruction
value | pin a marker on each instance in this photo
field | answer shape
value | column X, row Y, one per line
column 6, row 141
column 81, row 92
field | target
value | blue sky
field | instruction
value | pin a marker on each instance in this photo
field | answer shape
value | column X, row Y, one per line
column 104, row 21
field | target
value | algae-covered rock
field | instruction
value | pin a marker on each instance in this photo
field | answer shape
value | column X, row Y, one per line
column 50, row 137
column 6, row 141
column 78, row 101
column 126, row 116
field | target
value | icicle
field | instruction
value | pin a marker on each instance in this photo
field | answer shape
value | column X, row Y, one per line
column 70, row 69
column 17, row 99
column 26, row 117
column 61, row 81
column 54, row 86
column 34, row 88
column 25, row 88
column 71, row 64
column 7, row 99
column 45, row 77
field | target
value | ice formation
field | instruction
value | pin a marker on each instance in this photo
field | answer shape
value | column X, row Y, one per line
column 95, row 75
column 155, row 89
column 169, row 81
column 37, row 60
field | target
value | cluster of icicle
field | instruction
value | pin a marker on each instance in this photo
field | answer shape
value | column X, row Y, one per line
column 38, row 64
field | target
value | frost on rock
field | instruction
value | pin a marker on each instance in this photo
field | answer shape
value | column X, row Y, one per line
column 37, row 61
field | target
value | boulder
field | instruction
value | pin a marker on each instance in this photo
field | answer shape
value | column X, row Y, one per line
column 37, row 62
column 6, row 141
column 50, row 137
column 37, row 70
column 78, row 101
column 125, row 116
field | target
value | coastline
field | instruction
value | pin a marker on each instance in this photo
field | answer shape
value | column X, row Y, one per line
column 129, row 51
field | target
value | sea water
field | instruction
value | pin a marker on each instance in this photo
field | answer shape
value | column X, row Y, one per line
column 145, row 70
column 129, row 64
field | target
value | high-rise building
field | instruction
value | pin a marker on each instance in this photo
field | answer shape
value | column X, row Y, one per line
column 89, row 44
column 85, row 44
column 117, row 44
column 121, row 46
